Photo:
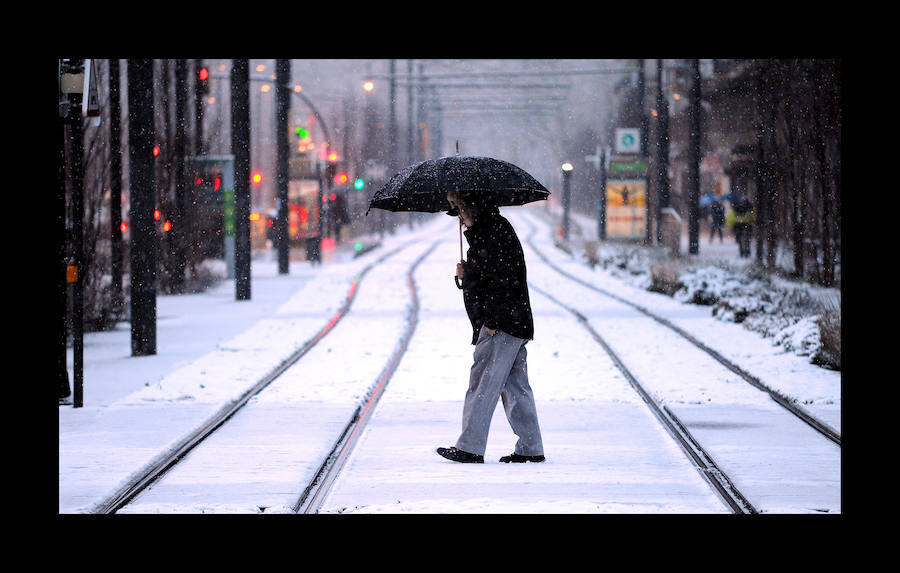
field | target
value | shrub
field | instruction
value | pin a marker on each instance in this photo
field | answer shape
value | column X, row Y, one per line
column 665, row 278
column 829, row 354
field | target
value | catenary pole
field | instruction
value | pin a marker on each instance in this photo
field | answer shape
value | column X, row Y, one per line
column 180, row 231
column 645, row 136
column 77, row 142
column 115, row 183
column 141, row 135
column 662, row 150
column 694, row 161
column 198, row 109
column 240, row 148
column 64, row 391
column 283, row 107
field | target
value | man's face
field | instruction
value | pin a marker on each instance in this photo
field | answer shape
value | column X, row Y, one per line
column 465, row 215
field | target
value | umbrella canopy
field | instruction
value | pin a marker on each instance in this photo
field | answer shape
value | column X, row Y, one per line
column 709, row 199
column 423, row 187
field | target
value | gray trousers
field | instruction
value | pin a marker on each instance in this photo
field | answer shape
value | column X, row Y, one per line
column 500, row 371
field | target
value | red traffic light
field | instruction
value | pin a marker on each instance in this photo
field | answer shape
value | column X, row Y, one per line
column 202, row 83
column 256, row 178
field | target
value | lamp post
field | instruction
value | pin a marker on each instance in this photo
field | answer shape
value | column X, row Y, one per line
column 567, row 171
column 373, row 162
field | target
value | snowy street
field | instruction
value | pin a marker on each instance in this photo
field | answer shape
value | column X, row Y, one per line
column 606, row 451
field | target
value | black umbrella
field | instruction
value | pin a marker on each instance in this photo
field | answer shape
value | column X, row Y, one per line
column 423, row 187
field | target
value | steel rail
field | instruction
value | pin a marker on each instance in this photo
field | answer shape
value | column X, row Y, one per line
column 159, row 466
column 704, row 464
column 784, row 401
column 314, row 495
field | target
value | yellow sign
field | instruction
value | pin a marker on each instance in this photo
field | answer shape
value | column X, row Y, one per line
column 626, row 208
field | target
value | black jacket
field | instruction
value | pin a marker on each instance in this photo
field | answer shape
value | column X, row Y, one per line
column 494, row 284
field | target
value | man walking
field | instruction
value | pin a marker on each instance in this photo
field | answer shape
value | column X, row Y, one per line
column 495, row 294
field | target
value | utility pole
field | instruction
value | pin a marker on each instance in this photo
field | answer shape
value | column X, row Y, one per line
column 71, row 81
column 392, row 142
column 601, row 208
column 393, row 159
column 180, row 228
column 421, row 154
column 409, row 114
column 694, row 161
column 409, row 125
column 198, row 109
column 760, row 173
column 77, row 261
column 283, row 106
column 115, row 184
column 662, row 150
column 645, row 135
column 141, row 135
column 240, row 148
column 63, row 390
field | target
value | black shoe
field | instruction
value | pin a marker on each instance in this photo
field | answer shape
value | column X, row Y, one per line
column 455, row 455
column 516, row 458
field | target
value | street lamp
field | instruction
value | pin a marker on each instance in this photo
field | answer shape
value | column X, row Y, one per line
column 368, row 86
column 567, row 171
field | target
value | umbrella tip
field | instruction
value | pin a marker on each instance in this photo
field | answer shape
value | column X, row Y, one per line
column 457, row 147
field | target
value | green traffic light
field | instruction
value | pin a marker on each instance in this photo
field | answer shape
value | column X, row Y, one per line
column 359, row 184
column 303, row 133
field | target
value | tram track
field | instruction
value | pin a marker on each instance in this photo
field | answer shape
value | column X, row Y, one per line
column 157, row 468
column 315, row 493
column 785, row 402
column 704, row 463
column 724, row 486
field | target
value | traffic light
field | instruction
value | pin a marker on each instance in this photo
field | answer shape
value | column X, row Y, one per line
column 341, row 178
column 203, row 81
column 304, row 137
column 256, row 178
column 359, row 184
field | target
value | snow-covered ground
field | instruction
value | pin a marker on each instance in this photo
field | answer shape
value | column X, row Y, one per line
column 606, row 452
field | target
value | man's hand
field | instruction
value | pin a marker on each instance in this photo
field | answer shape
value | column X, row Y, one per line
column 460, row 270
column 490, row 331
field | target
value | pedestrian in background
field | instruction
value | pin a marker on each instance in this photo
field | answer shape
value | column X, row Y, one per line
column 717, row 212
column 744, row 217
column 495, row 294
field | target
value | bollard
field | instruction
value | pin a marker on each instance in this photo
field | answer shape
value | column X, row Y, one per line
column 671, row 230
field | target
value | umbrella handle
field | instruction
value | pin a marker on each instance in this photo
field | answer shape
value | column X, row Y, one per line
column 456, row 278
column 460, row 242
